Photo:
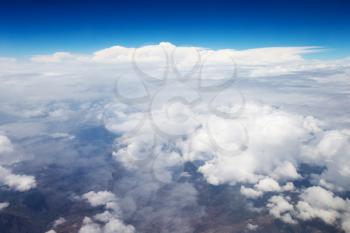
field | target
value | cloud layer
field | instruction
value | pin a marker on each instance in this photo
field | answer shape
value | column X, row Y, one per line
column 248, row 118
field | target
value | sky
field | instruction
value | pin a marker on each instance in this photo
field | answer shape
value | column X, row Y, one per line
column 216, row 115
column 37, row 27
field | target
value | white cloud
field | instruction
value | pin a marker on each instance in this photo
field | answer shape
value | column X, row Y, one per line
column 252, row 227
column 260, row 148
column 307, row 212
column 108, row 221
column 258, row 62
column 316, row 202
column 280, row 208
column 59, row 221
column 117, row 226
column 5, row 145
column 113, row 225
column 333, row 152
column 276, row 147
column 4, row 205
column 51, row 231
column 251, row 193
column 321, row 198
column 7, row 177
column 286, row 170
column 268, row 185
column 267, row 150
column 17, row 182
column 90, row 227
column 101, row 198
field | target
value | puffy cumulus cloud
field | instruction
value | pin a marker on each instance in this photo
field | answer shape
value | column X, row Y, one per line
column 263, row 146
column 251, row 193
column 333, row 151
column 112, row 226
column 252, row 227
column 17, row 182
column 333, row 143
column 101, row 198
column 322, row 198
column 280, row 208
column 266, row 185
column 266, row 151
column 108, row 221
column 314, row 203
column 51, row 231
column 89, row 226
column 115, row 225
column 4, row 205
column 261, row 149
column 270, row 185
column 245, row 149
column 5, row 144
column 286, row 170
column 7, row 177
column 59, row 221
column 317, row 202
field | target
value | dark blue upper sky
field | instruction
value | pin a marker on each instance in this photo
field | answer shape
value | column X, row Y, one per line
column 32, row 27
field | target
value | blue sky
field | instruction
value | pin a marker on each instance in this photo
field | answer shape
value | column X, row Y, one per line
column 33, row 27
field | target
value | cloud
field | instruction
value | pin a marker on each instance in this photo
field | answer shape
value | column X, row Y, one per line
column 265, row 156
column 345, row 224
column 287, row 170
column 258, row 62
column 155, row 53
column 314, row 203
column 101, row 198
column 59, row 221
column 115, row 225
column 251, row 193
column 4, row 205
column 268, row 185
column 112, row 226
column 276, row 143
column 283, row 110
column 107, row 222
column 17, row 182
column 317, row 202
column 252, row 143
column 14, row 181
column 5, row 145
column 280, row 208
column 252, row 227
column 268, row 151
column 57, row 57
column 90, row 227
